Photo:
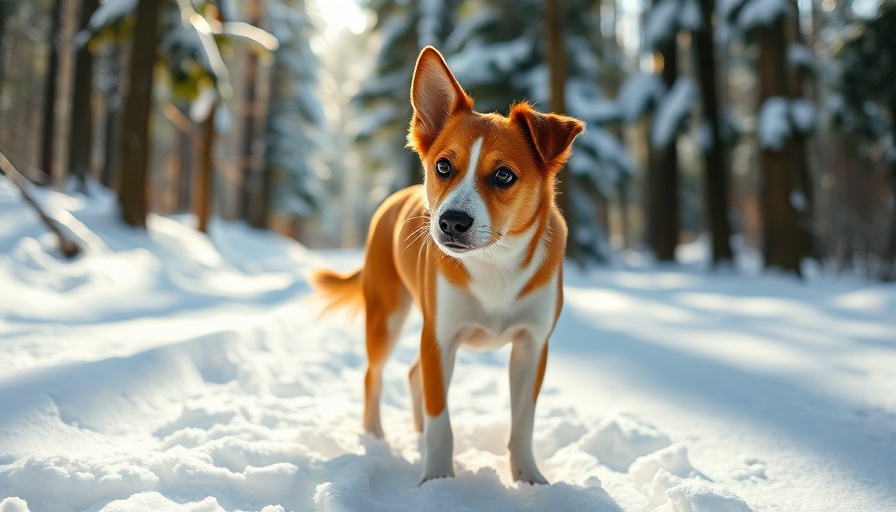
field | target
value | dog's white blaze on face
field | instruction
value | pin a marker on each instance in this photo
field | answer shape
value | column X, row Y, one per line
column 466, row 198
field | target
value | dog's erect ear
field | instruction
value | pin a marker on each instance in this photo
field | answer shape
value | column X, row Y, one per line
column 551, row 134
column 435, row 96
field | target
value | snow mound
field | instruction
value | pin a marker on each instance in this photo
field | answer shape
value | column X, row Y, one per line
column 704, row 497
column 617, row 441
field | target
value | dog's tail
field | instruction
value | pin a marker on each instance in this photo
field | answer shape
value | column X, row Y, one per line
column 338, row 291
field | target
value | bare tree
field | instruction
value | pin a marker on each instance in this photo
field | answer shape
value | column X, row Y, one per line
column 69, row 248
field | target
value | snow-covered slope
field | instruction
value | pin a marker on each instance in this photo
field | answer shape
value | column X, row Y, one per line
column 167, row 370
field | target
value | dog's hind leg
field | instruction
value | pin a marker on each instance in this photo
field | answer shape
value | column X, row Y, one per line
column 386, row 313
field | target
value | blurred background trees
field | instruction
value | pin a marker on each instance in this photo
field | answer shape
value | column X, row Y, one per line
column 763, row 125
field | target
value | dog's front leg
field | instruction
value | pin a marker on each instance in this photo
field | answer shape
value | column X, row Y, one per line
column 527, row 363
column 437, row 365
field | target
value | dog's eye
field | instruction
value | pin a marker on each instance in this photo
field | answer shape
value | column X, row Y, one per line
column 504, row 177
column 443, row 168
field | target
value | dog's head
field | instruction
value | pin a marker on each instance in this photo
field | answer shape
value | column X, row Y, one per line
column 487, row 176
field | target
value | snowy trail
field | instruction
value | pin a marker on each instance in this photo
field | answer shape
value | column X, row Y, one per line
column 770, row 381
column 171, row 371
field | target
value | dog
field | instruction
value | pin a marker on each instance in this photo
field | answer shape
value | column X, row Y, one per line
column 478, row 247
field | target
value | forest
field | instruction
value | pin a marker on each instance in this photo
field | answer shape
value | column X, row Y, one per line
column 760, row 124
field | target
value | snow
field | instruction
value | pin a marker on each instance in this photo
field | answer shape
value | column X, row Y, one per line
column 800, row 56
column 762, row 13
column 672, row 111
column 110, row 11
column 667, row 18
column 639, row 94
column 802, row 115
column 773, row 128
column 779, row 117
column 169, row 370
column 661, row 24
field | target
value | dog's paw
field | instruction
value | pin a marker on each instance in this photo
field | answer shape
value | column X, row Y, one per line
column 427, row 478
column 530, row 476
column 375, row 431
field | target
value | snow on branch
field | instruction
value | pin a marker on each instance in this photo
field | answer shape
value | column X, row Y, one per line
column 672, row 112
column 754, row 14
column 667, row 18
column 781, row 117
column 639, row 94
column 799, row 56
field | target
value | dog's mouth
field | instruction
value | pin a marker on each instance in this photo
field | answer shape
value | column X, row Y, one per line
column 454, row 245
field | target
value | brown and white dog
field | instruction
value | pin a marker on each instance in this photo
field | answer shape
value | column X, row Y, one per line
column 478, row 247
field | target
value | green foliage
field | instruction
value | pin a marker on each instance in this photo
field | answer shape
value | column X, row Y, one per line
column 497, row 50
column 182, row 57
column 868, row 67
column 403, row 28
column 296, row 120
column 8, row 9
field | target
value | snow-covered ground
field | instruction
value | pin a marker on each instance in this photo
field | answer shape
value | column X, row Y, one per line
column 167, row 370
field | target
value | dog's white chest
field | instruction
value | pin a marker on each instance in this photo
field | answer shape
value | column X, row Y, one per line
column 489, row 312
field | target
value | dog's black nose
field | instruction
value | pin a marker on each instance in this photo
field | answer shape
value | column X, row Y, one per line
column 455, row 222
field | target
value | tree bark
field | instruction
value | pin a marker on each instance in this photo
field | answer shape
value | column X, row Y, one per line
column 803, row 181
column 889, row 253
column 134, row 152
column 781, row 235
column 663, row 215
column 557, row 69
column 715, row 168
column 81, row 132
column 206, row 171
column 48, row 135
column 252, row 207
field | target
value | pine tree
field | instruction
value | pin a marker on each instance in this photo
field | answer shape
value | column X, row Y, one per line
column 403, row 29
column 781, row 115
column 868, row 63
column 500, row 63
column 295, row 118
column 666, row 20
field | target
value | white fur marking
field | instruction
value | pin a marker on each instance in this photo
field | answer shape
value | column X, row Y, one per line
column 438, row 458
column 465, row 197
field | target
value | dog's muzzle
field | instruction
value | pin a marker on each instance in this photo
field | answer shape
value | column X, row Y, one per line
column 454, row 226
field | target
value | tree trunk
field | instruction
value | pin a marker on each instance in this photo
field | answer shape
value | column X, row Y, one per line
column 715, row 168
column 81, row 132
column 48, row 135
column 185, row 151
column 803, row 181
column 557, row 69
column 782, row 247
column 206, row 171
column 112, row 103
column 134, row 152
column 251, row 201
column 663, row 216
column 889, row 253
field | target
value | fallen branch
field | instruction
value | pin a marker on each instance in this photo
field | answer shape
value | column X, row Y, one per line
column 68, row 247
